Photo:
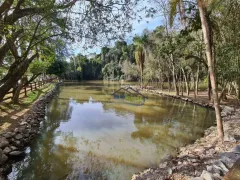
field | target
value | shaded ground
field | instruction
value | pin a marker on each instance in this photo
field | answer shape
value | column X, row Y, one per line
column 11, row 113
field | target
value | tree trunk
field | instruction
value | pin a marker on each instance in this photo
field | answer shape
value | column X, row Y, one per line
column 194, row 86
column 223, row 95
column 181, row 83
column 174, row 76
column 24, row 82
column 161, row 85
column 197, row 81
column 15, row 73
column 229, row 89
column 209, row 87
column 207, row 40
column 238, row 88
column 186, row 82
column 141, row 77
column 169, row 83
column 16, row 93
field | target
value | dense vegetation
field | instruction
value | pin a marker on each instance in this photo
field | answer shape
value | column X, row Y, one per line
column 198, row 40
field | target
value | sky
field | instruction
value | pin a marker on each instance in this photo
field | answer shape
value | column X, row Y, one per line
column 138, row 27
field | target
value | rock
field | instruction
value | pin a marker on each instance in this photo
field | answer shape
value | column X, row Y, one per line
column 217, row 169
column 6, row 170
column 16, row 130
column 194, row 160
column 168, row 157
column 206, row 175
column 163, row 165
column 229, row 137
column 33, row 131
column 196, row 164
column 209, row 168
column 3, row 142
column 199, row 150
column 222, row 166
column 18, row 136
column 197, row 173
column 26, row 131
column 13, row 148
column 9, row 135
column 23, row 123
column 196, row 178
column 26, row 135
column 228, row 158
column 170, row 171
column 17, row 153
column 7, row 150
column 217, row 176
column 236, row 148
column 17, row 143
column 3, row 159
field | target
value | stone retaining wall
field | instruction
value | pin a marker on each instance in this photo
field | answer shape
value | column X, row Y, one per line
column 13, row 142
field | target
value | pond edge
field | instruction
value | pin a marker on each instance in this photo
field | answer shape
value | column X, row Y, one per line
column 190, row 161
column 14, row 141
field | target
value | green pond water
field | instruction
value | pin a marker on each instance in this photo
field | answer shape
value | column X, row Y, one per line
column 87, row 135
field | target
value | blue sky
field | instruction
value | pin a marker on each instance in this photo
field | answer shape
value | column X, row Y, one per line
column 150, row 25
column 138, row 27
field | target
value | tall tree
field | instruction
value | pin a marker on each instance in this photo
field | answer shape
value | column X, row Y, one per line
column 27, row 24
column 140, row 53
column 206, row 29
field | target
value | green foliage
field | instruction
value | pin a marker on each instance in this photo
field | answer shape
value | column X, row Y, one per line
column 34, row 95
column 38, row 67
column 173, row 10
column 58, row 68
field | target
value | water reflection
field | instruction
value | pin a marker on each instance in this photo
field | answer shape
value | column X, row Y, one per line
column 87, row 136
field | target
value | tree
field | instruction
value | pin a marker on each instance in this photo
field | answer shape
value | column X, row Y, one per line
column 25, row 24
column 209, row 53
column 206, row 29
column 58, row 68
column 140, row 53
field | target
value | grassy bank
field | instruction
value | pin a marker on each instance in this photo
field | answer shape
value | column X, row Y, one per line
column 11, row 113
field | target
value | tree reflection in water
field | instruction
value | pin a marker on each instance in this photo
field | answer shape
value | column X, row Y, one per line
column 101, row 140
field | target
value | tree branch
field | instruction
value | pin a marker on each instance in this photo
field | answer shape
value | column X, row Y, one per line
column 5, row 6
column 33, row 37
column 20, row 2
column 31, row 79
column 19, row 13
column 201, row 60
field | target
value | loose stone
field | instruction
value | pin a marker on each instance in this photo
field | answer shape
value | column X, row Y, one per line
column 6, row 150
column 18, row 136
column 3, row 159
column 3, row 142
column 17, row 153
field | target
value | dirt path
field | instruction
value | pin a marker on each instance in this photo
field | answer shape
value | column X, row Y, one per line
column 202, row 96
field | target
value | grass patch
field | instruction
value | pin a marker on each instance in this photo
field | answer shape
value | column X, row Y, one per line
column 8, row 107
column 9, row 112
column 34, row 95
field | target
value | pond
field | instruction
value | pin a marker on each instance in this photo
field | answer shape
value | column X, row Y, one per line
column 86, row 135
